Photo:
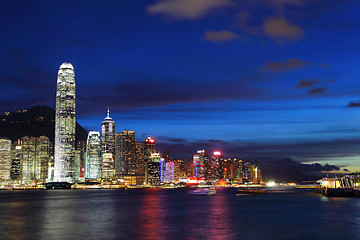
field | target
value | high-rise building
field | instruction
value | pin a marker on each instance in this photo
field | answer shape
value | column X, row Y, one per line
column 216, row 166
column 162, row 170
column 5, row 159
column 125, row 162
column 93, row 156
column 169, row 172
column 65, row 124
column 42, row 157
column 154, row 169
column 107, row 168
column 108, row 135
column 149, row 149
column 35, row 154
column 15, row 168
column 139, row 159
column 80, row 161
column 28, row 154
column 247, row 175
column 200, row 161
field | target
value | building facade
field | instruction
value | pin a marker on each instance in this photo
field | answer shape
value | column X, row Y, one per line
column 125, row 161
column 15, row 169
column 65, row 124
column 200, row 161
column 108, row 135
column 93, row 157
column 5, row 159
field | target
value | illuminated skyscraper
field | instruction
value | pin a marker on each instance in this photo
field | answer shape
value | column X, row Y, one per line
column 93, row 156
column 107, row 168
column 154, row 169
column 108, row 135
column 28, row 154
column 169, row 172
column 5, row 159
column 216, row 166
column 35, row 158
column 42, row 157
column 65, row 124
column 15, row 169
column 139, row 159
column 149, row 149
column 125, row 153
column 200, row 161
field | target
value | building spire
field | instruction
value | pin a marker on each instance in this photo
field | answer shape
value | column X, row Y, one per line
column 108, row 112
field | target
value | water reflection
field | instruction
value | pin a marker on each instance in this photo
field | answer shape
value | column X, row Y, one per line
column 151, row 216
column 220, row 226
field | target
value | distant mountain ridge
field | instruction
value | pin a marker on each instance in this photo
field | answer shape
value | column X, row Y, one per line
column 36, row 121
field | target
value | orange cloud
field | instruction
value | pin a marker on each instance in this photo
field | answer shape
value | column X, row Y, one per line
column 281, row 29
column 220, row 36
column 185, row 9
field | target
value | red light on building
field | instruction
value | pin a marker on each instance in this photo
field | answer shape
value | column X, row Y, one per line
column 150, row 140
column 217, row 153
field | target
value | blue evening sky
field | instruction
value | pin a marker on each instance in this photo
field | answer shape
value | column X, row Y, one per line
column 252, row 78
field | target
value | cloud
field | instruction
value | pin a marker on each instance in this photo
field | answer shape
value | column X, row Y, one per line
column 306, row 83
column 280, row 29
column 185, row 9
column 220, row 36
column 354, row 104
column 289, row 64
column 318, row 90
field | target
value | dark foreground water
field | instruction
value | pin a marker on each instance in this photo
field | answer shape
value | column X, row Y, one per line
column 174, row 214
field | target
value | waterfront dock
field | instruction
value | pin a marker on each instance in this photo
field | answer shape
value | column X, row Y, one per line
column 338, row 192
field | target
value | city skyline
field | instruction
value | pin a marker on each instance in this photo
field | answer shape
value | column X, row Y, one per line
column 257, row 81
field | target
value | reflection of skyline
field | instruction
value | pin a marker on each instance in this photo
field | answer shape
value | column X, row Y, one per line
column 152, row 215
column 15, row 221
column 220, row 225
column 174, row 214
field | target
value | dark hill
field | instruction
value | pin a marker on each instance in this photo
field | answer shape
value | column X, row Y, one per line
column 36, row 121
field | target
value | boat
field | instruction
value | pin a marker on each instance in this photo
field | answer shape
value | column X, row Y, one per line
column 58, row 185
column 203, row 191
column 251, row 191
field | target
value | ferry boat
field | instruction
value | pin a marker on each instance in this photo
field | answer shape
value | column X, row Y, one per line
column 203, row 191
column 58, row 185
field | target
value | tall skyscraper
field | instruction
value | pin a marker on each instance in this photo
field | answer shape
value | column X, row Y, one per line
column 125, row 153
column 35, row 154
column 200, row 161
column 217, row 166
column 154, row 169
column 108, row 135
column 28, row 154
column 5, row 159
column 15, row 169
column 65, row 124
column 42, row 157
column 149, row 149
column 139, row 159
column 93, row 156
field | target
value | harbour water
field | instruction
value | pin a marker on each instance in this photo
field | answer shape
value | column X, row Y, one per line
column 175, row 214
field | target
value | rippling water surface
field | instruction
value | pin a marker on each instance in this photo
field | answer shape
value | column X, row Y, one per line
column 174, row 214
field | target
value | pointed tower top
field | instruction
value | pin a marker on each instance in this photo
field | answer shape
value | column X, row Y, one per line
column 108, row 114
